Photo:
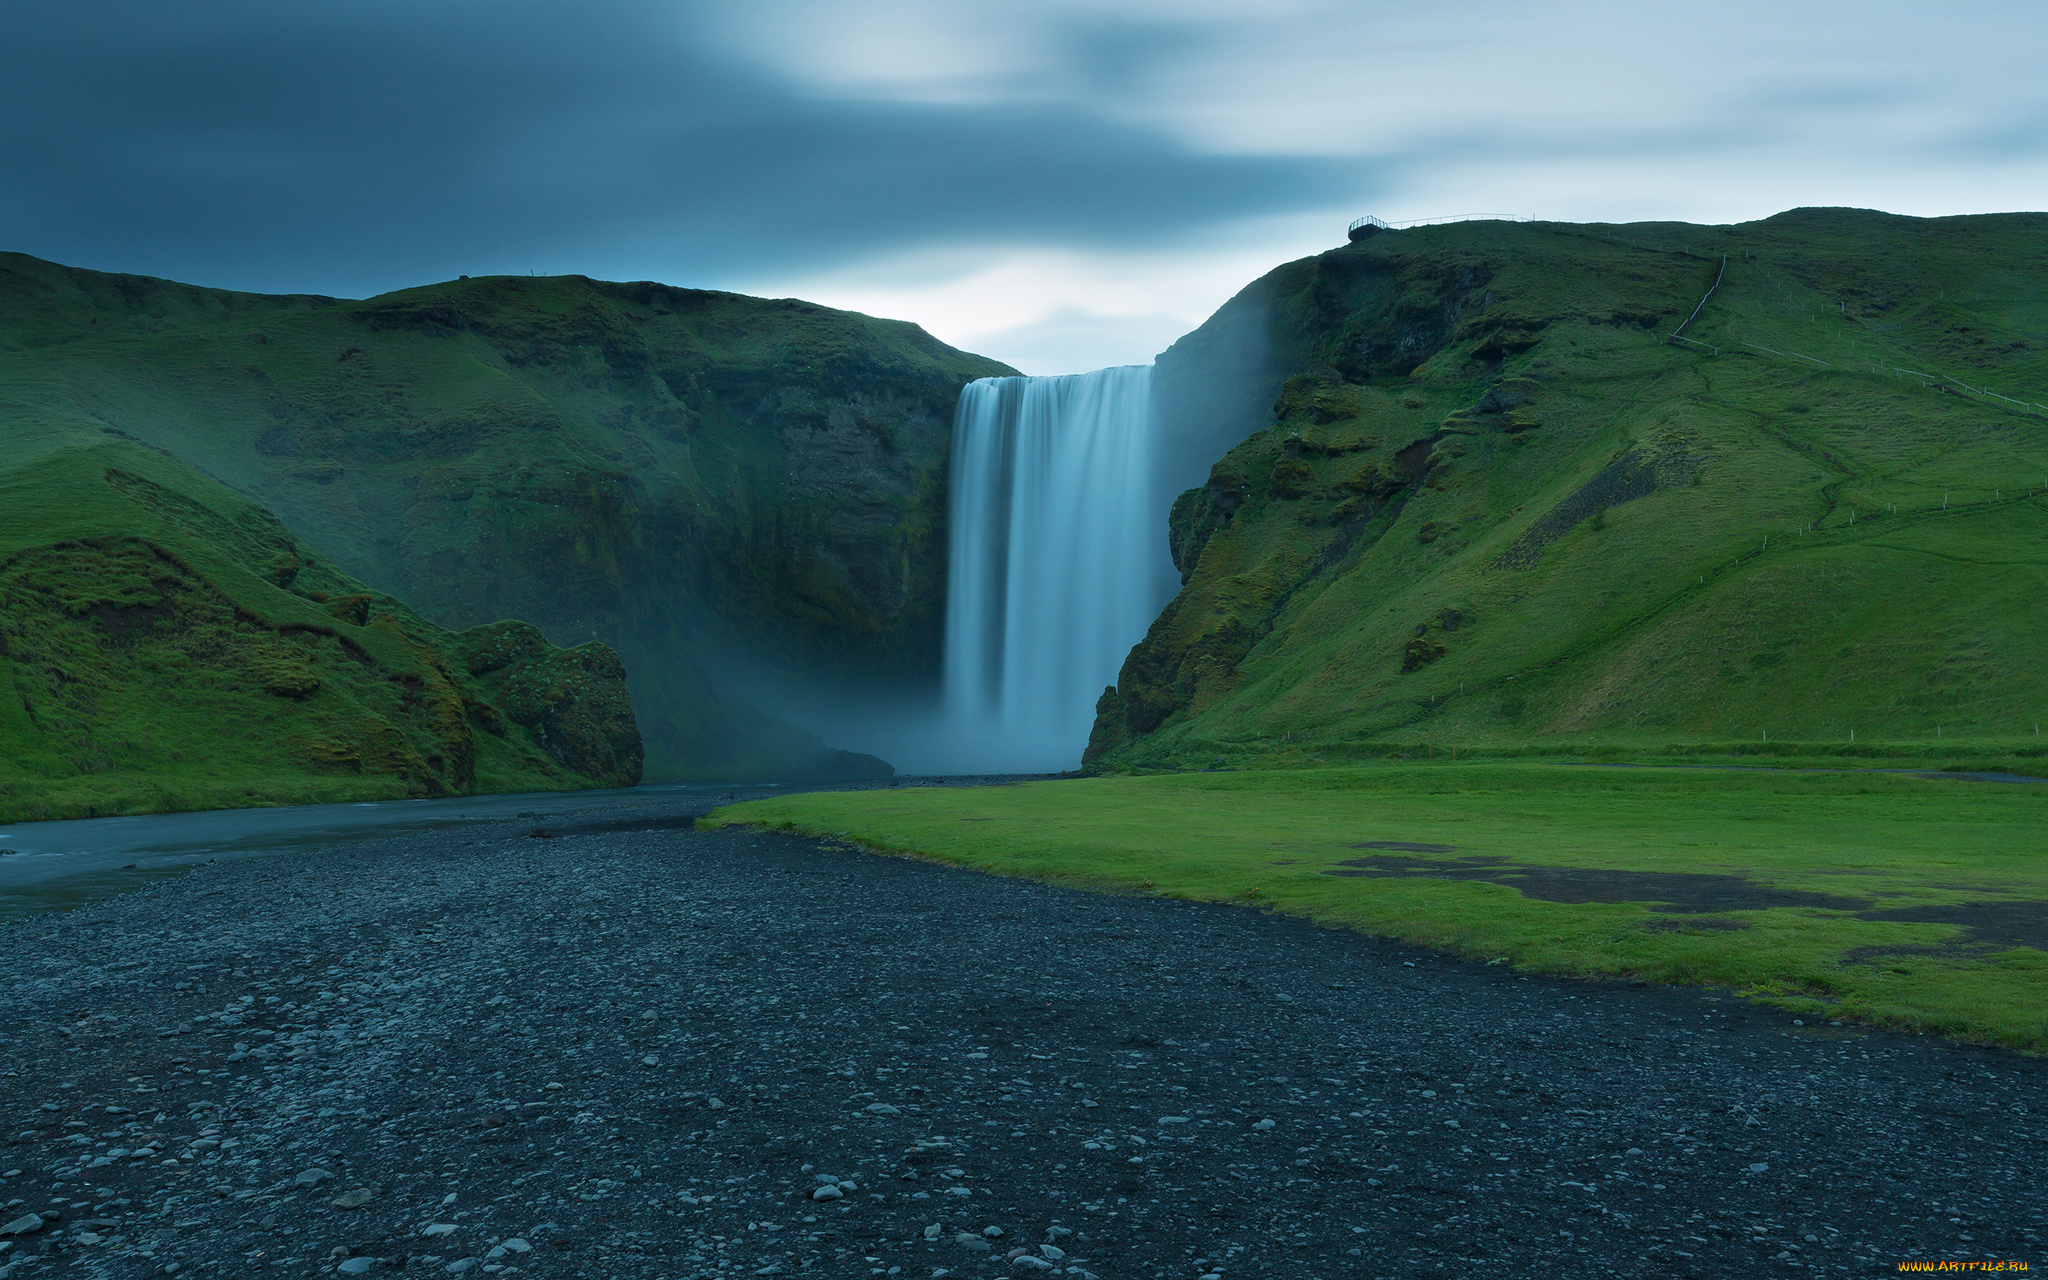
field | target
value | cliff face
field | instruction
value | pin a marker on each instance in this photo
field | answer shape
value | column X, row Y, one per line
column 167, row 644
column 702, row 481
column 1461, row 487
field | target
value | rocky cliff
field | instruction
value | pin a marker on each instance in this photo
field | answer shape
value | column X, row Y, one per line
column 719, row 488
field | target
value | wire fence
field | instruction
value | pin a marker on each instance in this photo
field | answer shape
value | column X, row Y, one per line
column 1461, row 217
column 1679, row 332
column 1939, row 381
column 1658, row 246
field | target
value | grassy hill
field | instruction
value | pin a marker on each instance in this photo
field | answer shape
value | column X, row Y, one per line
column 167, row 644
column 1483, row 503
column 713, row 485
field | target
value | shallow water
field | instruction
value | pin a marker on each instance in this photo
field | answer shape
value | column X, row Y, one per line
column 53, row 866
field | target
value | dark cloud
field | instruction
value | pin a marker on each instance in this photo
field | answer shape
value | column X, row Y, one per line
column 353, row 149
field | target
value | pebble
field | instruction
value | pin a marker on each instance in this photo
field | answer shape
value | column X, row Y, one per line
column 375, row 1058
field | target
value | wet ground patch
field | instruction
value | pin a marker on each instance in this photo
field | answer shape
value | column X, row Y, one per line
column 1700, row 924
column 1689, row 892
column 1998, row 924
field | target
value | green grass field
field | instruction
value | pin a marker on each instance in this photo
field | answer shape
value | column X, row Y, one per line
column 1887, row 899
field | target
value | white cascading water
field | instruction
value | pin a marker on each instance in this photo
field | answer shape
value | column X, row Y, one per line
column 1057, row 562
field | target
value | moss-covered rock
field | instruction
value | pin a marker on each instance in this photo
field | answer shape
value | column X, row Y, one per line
column 572, row 701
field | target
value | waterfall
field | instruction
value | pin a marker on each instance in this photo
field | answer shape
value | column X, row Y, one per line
column 1057, row 560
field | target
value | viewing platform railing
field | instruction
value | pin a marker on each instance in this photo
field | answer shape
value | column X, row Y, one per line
column 1371, row 226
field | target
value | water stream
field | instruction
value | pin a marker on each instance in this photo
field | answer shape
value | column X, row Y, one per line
column 46, row 866
column 1058, row 560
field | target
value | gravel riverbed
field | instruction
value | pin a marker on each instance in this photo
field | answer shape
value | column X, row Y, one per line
column 632, row 1049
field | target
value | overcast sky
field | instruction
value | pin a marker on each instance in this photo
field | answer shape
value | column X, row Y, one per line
column 1058, row 184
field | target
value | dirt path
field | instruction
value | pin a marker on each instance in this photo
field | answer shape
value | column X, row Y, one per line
column 633, row 1049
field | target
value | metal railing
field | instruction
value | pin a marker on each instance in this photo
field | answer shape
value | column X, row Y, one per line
column 1382, row 225
column 1459, row 217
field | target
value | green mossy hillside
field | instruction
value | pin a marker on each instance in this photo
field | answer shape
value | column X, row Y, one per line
column 707, row 483
column 166, row 644
column 1479, row 499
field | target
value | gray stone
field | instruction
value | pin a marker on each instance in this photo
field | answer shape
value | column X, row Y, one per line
column 23, row 1225
column 312, row 1177
column 828, row 1193
column 356, row 1266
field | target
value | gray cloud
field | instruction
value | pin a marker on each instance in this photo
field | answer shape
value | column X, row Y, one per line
column 353, row 149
